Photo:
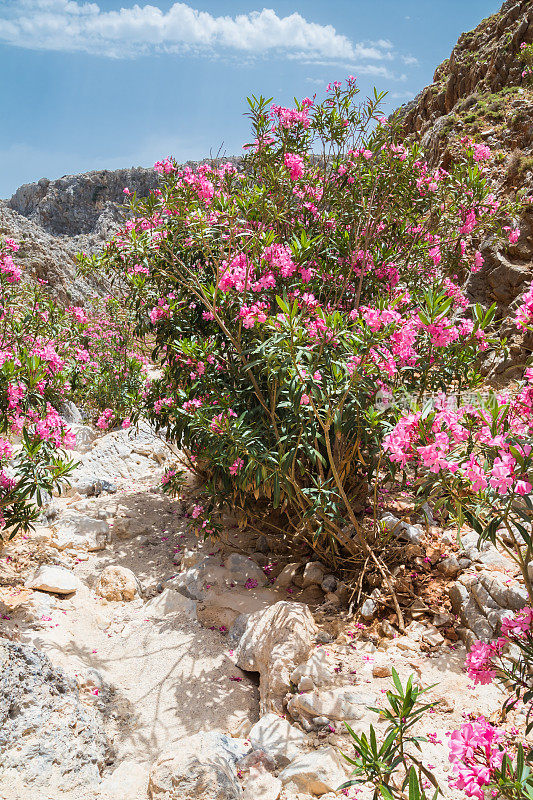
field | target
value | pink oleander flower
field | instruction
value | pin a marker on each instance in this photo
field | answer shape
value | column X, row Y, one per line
column 167, row 477
column 481, row 152
column 6, row 451
column 478, row 261
column 520, row 624
column 79, row 314
column 236, row 467
column 479, row 664
column 104, row 420
column 475, row 755
column 295, row 165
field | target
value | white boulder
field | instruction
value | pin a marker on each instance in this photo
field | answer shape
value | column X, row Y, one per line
column 274, row 640
column 277, row 738
column 116, row 583
column 318, row 772
column 49, row 578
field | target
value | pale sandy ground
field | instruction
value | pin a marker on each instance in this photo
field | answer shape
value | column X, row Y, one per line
column 170, row 677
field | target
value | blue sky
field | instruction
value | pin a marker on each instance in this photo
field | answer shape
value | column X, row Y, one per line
column 108, row 84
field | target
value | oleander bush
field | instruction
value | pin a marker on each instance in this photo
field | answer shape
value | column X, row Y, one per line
column 296, row 302
column 49, row 354
column 33, row 380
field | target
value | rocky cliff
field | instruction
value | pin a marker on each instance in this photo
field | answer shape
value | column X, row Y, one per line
column 479, row 92
column 46, row 257
column 54, row 220
column 81, row 204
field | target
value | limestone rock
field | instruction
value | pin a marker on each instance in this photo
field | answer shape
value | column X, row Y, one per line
column 329, row 584
column 170, row 603
column 287, row 575
column 513, row 596
column 203, row 767
column 381, row 669
column 280, row 740
column 274, row 640
column 129, row 528
column 45, row 732
column 316, row 773
column 442, row 619
column 49, row 578
column 79, row 532
column 313, row 573
column 117, row 457
column 196, row 581
column 342, row 703
column 129, row 779
column 318, row 668
column 116, row 583
column 70, row 413
column 85, row 436
column 221, row 607
column 261, row 785
column 46, row 257
column 449, row 567
column 368, row 609
column 74, row 204
column 400, row 529
column 244, row 570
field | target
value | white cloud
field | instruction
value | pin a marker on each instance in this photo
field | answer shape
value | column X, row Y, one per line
column 407, row 95
column 373, row 70
column 70, row 26
column 410, row 61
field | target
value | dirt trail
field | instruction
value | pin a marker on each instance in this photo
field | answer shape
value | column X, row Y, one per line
column 160, row 676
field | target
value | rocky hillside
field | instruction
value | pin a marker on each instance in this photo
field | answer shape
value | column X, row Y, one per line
column 484, row 61
column 54, row 220
column 46, row 257
column 479, row 92
column 87, row 204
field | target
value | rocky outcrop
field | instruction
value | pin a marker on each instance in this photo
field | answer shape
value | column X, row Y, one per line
column 481, row 601
column 46, row 734
column 204, row 766
column 55, row 220
column 82, row 204
column 479, row 92
column 47, row 258
column 483, row 60
column 273, row 642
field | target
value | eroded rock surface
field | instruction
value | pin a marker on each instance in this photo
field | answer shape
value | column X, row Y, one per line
column 46, row 734
column 274, row 641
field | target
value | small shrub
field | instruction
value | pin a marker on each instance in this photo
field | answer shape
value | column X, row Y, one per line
column 526, row 57
column 489, row 661
column 482, row 766
column 107, row 370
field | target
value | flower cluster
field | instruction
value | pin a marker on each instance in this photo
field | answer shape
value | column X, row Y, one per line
column 33, row 382
column 475, row 756
column 508, row 659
